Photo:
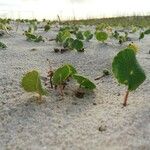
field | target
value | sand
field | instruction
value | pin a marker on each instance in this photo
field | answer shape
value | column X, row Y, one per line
column 96, row 122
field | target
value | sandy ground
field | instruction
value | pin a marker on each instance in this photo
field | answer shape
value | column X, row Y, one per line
column 71, row 123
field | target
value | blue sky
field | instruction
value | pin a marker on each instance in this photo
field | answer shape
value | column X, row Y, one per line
column 67, row 9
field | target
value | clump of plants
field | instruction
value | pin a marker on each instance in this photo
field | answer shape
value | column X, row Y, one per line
column 5, row 25
column 33, row 37
column 67, row 72
column 120, row 37
column 58, row 79
column 128, row 71
column 64, row 38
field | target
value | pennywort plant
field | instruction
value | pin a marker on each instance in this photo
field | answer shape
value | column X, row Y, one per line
column 128, row 71
column 63, row 74
column 31, row 82
column 58, row 78
column 33, row 37
column 101, row 36
column 2, row 45
column 142, row 34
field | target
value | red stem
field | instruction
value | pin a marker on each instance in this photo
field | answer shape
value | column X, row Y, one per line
column 126, row 98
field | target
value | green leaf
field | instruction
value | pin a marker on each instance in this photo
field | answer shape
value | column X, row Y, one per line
column 62, row 73
column 47, row 27
column 62, row 36
column 31, row 83
column 141, row 35
column 84, row 82
column 2, row 45
column 147, row 31
column 88, row 35
column 68, row 43
column 78, row 45
column 101, row 36
column 127, row 69
column 79, row 35
column 33, row 37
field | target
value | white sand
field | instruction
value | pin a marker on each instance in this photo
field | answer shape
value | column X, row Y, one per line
column 72, row 123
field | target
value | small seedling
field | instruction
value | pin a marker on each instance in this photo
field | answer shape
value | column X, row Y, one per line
column 115, row 35
column 101, row 36
column 88, row 35
column 47, row 27
column 2, row 45
column 105, row 73
column 33, row 37
column 61, row 75
column 62, row 36
column 141, row 35
column 79, row 35
column 31, row 83
column 127, row 71
column 78, row 45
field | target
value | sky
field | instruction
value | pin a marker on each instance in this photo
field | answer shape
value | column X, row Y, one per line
column 69, row 9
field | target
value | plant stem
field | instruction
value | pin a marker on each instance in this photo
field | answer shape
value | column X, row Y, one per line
column 51, row 83
column 98, row 78
column 61, row 90
column 126, row 98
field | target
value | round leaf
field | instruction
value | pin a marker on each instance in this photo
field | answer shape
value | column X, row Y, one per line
column 127, row 69
column 101, row 36
column 78, row 45
column 32, row 83
column 62, row 73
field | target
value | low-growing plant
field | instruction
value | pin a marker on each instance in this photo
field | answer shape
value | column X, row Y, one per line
column 106, row 72
column 62, row 36
column 78, row 45
column 88, row 35
column 47, row 27
column 142, row 34
column 33, row 37
column 79, row 35
column 68, row 43
column 2, row 45
column 31, row 83
column 61, row 76
column 101, row 36
column 128, row 71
